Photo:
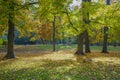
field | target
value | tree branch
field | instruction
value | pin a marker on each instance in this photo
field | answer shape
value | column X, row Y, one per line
column 26, row 4
column 70, row 19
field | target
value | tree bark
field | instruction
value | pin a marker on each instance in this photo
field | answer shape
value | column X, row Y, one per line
column 10, row 49
column 105, row 41
column 54, row 40
column 80, row 44
column 87, row 45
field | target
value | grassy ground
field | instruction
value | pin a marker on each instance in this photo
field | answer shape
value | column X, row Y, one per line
column 62, row 47
column 33, row 64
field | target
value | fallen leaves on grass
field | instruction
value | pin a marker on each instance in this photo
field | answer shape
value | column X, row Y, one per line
column 61, row 65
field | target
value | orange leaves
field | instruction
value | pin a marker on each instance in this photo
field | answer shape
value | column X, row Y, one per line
column 45, row 31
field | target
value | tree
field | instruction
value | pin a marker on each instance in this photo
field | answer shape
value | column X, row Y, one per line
column 11, row 9
column 106, row 19
column 50, row 10
column 54, row 31
column 105, row 41
column 11, row 15
column 84, row 34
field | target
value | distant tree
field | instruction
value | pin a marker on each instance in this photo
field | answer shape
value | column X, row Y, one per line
column 105, row 41
column 51, row 12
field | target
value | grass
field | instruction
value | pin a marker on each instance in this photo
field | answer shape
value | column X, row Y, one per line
column 74, row 46
column 32, row 64
column 58, row 47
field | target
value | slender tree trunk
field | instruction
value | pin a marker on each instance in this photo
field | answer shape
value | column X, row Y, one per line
column 54, row 40
column 80, row 44
column 105, row 41
column 87, row 45
column 42, row 41
column 87, row 22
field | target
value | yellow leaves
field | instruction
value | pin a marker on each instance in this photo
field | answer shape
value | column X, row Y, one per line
column 26, row 23
column 1, row 41
column 32, row 39
column 97, row 36
column 2, row 29
column 107, row 60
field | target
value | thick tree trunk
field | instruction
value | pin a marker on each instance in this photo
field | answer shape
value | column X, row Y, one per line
column 87, row 45
column 105, row 41
column 80, row 43
column 10, row 50
column 54, row 40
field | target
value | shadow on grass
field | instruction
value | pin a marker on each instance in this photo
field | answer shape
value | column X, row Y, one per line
column 38, row 68
column 62, row 70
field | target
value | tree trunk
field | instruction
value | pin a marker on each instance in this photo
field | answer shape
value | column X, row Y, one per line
column 87, row 22
column 108, row 2
column 42, row 41
column 87, row 45
column 105, row 41
column 54, row 40
column 10, row 50
column 80, row 44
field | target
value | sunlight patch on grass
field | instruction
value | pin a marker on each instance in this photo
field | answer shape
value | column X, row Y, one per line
column 59, row 56
column 20, row 63
column 108, row 60
column 61, row 65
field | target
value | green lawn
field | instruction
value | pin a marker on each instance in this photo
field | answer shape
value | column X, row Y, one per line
column 63, row 47
column 60, row 65
column 58, row 47
column 73, row 46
